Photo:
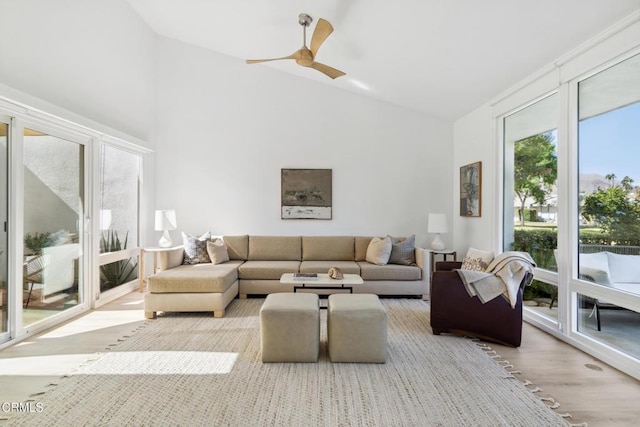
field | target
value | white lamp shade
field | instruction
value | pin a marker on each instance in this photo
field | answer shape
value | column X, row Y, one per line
column 437, row 223
column 166, row 220
column 105, row 219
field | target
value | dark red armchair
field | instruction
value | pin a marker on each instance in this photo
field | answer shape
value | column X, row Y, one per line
column 454, row 311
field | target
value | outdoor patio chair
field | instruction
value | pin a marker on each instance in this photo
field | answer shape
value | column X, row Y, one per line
column 33, row 269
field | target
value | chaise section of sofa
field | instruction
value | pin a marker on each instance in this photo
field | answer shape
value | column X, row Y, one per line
column 188, row 288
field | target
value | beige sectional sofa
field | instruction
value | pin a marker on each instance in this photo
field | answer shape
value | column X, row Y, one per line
column 257, row 263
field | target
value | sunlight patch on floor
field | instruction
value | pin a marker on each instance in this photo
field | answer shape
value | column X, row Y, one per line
column 163, row 363
column 94, row 321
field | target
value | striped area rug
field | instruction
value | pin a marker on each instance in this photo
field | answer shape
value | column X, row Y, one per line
column 194, row 370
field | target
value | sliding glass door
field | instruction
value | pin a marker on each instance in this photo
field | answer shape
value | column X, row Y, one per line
column 54, row 212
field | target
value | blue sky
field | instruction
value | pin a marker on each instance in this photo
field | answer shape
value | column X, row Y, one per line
column 610, row 143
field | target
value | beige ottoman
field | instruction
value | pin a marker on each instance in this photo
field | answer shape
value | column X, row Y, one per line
column 290, row 328
column 356, row 328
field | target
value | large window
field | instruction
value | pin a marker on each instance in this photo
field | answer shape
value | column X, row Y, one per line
column 530, row 221
column 119, row 216
column 609, row 200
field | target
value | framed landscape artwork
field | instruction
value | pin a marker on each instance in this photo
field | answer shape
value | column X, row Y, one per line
column 471, row 189
column 306, row 194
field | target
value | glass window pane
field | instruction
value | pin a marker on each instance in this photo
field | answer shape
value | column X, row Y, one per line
column 530, row 182
column 119, row 213
column 119, row 191
column 530, row 195
column 615, row 326
column 117, row 273
column 53, row 213
column 609, row 174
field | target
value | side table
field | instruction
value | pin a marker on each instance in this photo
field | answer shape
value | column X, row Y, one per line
column 445, row 254
column 155, row 250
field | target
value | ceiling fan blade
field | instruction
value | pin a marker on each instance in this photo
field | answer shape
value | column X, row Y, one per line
column 329, row 71
column 320, row 34
column 295, row 55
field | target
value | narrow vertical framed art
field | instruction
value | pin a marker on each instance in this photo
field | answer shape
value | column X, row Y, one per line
column 471, row 190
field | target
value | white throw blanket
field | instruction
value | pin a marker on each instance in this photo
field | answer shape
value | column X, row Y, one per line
column 502, row 277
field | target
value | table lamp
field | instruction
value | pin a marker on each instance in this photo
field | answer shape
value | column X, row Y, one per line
column 165, row 221
column 437, row 224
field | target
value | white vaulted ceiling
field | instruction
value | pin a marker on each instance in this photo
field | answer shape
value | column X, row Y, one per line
column 444, row 58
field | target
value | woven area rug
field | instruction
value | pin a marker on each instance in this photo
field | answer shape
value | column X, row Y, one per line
column 192, row 369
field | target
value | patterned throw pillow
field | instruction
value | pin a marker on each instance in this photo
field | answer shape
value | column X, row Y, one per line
column 477, row 260
column 473, row 264
column 403, row 251
column 195, row 248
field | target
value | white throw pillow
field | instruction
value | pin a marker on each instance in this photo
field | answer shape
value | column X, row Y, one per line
column 477, row 260
column 624, row 268
column 596, row 266
column 379, row 251
column 217, row 250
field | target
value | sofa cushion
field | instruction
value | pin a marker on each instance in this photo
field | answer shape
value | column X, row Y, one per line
column 237, row 246
column 361, row 245
column 195, row 278
column 379, row 251
column 596, row 266
column 397, row 272
column 195, row 248
column 624, row 268
column 327, row 248
column 275, row 248
column 267, row 270
column 349, row 267
column 217, row 251
column 403, row 250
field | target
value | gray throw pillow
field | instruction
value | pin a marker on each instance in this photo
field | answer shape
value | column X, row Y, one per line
column 195, row 248
column 403, row 251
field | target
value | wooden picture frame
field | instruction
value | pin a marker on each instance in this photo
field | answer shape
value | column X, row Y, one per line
column 306, row 194
column 471, row 190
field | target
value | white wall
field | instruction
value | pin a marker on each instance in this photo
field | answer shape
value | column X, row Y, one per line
column 92, row 58
column 225, row 130
column 474, row 141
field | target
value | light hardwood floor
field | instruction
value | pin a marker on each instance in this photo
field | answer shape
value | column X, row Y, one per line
column 586, row 388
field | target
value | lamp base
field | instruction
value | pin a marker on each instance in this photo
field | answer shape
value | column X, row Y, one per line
column 165, row 241
column 437, row 244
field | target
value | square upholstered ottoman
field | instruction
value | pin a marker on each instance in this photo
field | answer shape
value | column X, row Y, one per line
column 356, row 328
column 290, row 328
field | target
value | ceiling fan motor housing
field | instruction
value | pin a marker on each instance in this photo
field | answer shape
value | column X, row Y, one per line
column 304, row 20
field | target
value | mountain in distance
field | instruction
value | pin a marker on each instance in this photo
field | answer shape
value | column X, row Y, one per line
column 590, row 182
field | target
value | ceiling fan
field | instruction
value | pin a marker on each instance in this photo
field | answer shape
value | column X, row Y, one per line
column 305, row 56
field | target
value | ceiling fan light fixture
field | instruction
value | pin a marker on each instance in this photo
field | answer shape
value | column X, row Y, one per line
column 306, row 56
